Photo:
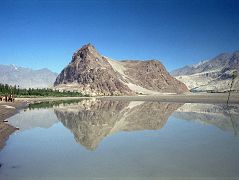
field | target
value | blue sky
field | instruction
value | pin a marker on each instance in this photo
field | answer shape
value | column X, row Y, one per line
column 40, row 34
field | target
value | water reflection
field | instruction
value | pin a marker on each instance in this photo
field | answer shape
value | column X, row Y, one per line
column 41, row 118
column 38, row 115
column 180, row 149
column 220, row 115
column 92, row 120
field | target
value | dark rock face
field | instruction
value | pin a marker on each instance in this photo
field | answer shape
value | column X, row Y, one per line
column 93, row 74
column 92, row 120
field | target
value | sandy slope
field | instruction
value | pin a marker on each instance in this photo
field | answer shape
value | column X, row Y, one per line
column 199, row 82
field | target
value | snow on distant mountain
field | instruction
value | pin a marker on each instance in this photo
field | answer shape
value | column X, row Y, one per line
column 26, row 77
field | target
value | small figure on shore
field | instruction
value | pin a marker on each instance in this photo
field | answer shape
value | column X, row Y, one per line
column 10, row 98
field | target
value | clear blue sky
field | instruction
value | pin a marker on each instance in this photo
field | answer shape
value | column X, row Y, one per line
column 40, row 34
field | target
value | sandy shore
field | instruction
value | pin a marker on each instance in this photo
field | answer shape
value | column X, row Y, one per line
column 8, row 109
column 181, row 98
column 213, row 98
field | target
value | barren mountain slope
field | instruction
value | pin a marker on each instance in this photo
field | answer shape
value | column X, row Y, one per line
column 215, row 74
column 91, row 73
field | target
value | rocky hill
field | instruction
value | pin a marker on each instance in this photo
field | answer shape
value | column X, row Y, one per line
column 214, row 74
column 25, row 77
column 94, row 74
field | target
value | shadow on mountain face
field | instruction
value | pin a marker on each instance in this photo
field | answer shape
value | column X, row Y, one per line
column 92, row 120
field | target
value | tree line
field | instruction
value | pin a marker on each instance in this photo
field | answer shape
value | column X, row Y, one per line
column 6, row 89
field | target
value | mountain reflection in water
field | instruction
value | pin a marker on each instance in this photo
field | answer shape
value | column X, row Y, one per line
column 92, row 120
column 197, row 141
column 222, row 116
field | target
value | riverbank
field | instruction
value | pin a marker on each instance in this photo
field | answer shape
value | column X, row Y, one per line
column 180, row 98
column 8, row 109
column 209, row 98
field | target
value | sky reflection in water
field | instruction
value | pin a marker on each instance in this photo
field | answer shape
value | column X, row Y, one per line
column 94, row 139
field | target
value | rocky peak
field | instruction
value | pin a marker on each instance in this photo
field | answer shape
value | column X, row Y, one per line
column 89, row 47
column 85, row 53
column 91, row 73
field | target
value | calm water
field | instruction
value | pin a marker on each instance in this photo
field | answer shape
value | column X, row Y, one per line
column 94, row 139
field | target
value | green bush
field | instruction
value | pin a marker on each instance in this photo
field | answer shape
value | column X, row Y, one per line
column 6, row 89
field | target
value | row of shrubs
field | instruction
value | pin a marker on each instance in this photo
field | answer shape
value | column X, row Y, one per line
column 8, row 89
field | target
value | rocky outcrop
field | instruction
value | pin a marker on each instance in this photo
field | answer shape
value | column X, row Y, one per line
column 91, row 73
column 92, row 120
column 211, row 75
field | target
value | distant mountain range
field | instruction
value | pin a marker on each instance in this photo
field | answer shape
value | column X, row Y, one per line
column 91, row 73
column 214, row 74
column 25, row 77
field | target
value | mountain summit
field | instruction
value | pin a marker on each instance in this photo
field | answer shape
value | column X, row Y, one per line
column 94, row 74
